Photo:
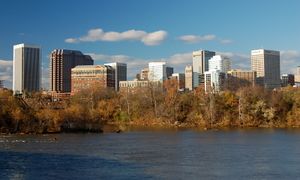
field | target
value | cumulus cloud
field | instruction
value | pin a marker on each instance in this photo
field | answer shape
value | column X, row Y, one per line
column 6, row 72
column 196, row 38
column 238, row 60
column 225, row 41
column 150, row 39
column 155, row 38
column 290, row 59
column 71, row 40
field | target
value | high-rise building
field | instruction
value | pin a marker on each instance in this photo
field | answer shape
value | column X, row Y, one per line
column 180, row 78
column 120, row 72
column 89, row 76
column 189, row 77
column 61, row 63
column 219, row 62
column 287, row 79
column 26, row 68
column 158, row 71
column 297, row 76
column 200, row 65
column 214, row 81
column 169, row 71
column 267, row 65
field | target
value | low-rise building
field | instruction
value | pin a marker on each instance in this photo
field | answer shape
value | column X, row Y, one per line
column 240, row 78
column 88, row 76
column 135, row 84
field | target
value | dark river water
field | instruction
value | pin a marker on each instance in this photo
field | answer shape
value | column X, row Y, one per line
column 169, row 154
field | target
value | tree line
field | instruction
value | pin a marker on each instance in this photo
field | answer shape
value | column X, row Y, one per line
column 92, row 108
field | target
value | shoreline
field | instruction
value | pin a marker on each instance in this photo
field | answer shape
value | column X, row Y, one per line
column 131, row 127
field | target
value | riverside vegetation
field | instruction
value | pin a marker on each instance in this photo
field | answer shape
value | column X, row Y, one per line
column 91, row 109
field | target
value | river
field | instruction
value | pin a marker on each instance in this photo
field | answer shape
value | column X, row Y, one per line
column 145, row 154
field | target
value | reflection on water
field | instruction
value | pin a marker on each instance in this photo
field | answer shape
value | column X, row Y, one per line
column 231, row 154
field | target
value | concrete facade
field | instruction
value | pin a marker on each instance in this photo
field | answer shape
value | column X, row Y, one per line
column 267, row 65
column 200, row 65
column 88, row 76
column 61, row 63
column 188, row 77
column 120, row 72
column 26, row 68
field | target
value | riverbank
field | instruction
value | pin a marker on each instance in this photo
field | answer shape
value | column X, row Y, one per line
column 252, row 107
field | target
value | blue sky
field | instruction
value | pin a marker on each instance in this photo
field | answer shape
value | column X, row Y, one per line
column 138, row 31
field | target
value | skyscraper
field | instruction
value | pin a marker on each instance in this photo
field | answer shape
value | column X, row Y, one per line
column 61, row 63
column 267, row 65
column 200, row 65
column 180, row 78
column 26, row 68
column 214, row 81
column 189, row 77
column 297, row 76
column 120, row 73
column 169, row 71
column 219, row 62
column 159, row 71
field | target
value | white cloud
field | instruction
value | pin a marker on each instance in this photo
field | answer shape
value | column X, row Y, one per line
column 71, row 40
column 180, row 59
column 238, row 60
column 154, row 38
column 150, row 39
column 196, row 38
column 225, row 41
column 290, row 59
column 6, row 72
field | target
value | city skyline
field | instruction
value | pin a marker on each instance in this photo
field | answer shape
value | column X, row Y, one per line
column 143, row 32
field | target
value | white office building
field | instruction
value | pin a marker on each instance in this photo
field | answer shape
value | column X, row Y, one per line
column 120, row 72
column 219, row 62
column 297, row 77
column 26, row 68
column 158, row 71
column 214, row 80
column 200, row 65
